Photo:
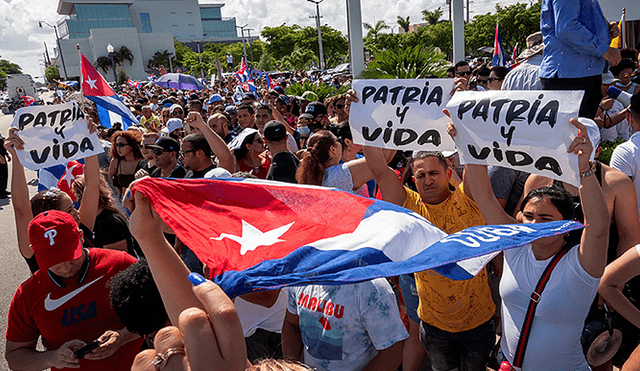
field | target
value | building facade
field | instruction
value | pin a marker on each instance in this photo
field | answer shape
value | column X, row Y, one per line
column 143, row 26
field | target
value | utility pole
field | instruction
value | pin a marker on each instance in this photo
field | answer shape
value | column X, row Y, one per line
column 200, row 60
column 244, row 49
column 317, row 17
column 47, row 60
column 55, row 29
column 250, row 43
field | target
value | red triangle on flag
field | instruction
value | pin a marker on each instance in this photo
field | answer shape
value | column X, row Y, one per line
column 93, row 84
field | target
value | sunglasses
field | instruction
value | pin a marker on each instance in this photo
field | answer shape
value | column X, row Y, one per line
column 628, row 74
column 491, row 79
column 482, row 81
column 157, row 151
column 183, row 153
column 464, row 73
column 177, row 113
column 120, row 145
column 339, row 106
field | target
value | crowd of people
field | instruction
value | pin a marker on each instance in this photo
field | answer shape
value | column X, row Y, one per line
column 112, row 287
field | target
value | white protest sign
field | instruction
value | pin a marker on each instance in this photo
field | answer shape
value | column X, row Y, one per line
column 523, row 130
column 54, row 135
column 402, row 114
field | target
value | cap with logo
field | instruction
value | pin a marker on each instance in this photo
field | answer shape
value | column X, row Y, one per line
column 55, row 238
column 316, row 109
column 172, row 124
column 275, row 131
column 166, row 144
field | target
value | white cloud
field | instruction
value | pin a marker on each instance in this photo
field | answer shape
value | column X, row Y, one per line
column 21, row 40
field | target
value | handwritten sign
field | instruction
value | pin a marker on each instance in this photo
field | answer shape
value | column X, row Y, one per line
column 522, row 130
column 402, row 114
column 54, row 135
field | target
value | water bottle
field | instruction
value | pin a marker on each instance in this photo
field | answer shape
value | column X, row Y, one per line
column 619, row 95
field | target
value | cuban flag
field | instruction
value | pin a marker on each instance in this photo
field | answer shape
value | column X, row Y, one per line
column 245, row 79
column 498, row 51
column 28, row 101
column 269, row 81
column 515, row 53
column 72, row 170
column 286, row 234
column 151, row 77
column 110, row 108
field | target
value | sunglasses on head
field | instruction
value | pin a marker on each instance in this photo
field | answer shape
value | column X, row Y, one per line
column 120, row 145
column 464, row 73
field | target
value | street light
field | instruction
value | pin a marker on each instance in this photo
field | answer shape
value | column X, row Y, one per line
column 111, row 52
column 64, row 68
column 244, row 49
column 317, row 17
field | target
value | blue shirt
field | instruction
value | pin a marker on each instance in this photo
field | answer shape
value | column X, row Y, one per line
column 576, row 35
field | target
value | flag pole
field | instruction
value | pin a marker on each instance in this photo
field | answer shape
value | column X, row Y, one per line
column 80, row 67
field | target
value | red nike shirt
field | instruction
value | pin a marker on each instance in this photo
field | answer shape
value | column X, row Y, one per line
column 77, row 311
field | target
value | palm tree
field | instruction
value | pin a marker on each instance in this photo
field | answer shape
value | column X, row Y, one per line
column 125, row 54
column 103, row 63
column 432, row 17
column 404, row 23
column 375, row 30
column 407, row 63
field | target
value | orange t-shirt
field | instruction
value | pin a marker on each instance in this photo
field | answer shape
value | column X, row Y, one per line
column 450, row 305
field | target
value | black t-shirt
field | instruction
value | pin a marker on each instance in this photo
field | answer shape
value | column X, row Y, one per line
column 198, row 174
column 283, row 167
column 110, row 227
column 178, row 172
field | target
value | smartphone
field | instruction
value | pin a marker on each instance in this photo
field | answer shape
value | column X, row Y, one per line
column 80, row 353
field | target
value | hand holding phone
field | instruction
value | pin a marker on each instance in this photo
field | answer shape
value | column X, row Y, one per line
column 80, row 353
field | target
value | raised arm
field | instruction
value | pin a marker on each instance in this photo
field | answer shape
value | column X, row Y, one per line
column 615, row 276
column 625, row 210
column 19, row 194
column 387, row 180
column 218, row 146
column 91, row 196
column 595, row 236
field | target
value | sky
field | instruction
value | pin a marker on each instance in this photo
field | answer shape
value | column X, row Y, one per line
column 22, row 41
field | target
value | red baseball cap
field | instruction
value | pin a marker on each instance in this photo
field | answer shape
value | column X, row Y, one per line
column 55, row 238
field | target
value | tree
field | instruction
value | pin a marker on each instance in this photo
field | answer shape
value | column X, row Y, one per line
column 432, row 17
column 103, row 63
column 52, row 73
column 299, row 59
column 266, row 63
column 7, row 68
column 404, row 23
column 407, row 63
column 374, row 30
column 124, row 54
column 281, row 39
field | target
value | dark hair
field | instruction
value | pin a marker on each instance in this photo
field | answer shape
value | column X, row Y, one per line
column 563, row 201
column 500, row 71
column 629, row 53
column 460, row 64
column 421, row 155
column 452, row 70
column 133, row 138
column 311, row 169
column 246, row 106
column 106, row 199
column 342, row 131
column 484, row 71
column 136, row 300
column 198, row 142
column 264, row 106
column 242, row 152
column 623, row 65
column 46, row 200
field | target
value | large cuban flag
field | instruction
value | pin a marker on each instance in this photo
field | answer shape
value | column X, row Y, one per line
column 260, row 235
column 245, row 79
column 110, row 108
column 498, row 51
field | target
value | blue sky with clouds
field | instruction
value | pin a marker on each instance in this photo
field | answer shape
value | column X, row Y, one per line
column 22, row 41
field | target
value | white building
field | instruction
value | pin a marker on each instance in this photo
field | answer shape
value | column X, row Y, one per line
column 143, row 26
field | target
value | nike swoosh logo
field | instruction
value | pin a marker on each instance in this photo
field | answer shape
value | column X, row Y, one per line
column 51, row 304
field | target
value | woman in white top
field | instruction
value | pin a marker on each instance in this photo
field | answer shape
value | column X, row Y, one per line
column 554, row 342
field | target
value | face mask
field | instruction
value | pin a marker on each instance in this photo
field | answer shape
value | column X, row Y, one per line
column 304, row 131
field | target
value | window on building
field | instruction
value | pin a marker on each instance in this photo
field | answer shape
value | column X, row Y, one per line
column 145, row 23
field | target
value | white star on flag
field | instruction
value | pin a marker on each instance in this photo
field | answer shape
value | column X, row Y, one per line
column 68, row 176
column 92, row 83
column 252, row 237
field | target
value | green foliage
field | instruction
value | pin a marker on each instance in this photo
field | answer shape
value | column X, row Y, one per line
column 407, row 63
column 404, row 23
column 517, row 21
column 607, row 150
column 7, row 68
column 323, row 90
column 122, row 77
column 432, row 17
column 52, row 73
column 283, row 40
column 161, row 59
column 103, row 63
column 124, row 54
column 375, row 30
column 266, row 63
column 299, row 59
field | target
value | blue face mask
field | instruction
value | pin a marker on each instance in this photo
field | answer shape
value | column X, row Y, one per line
column 304, row 131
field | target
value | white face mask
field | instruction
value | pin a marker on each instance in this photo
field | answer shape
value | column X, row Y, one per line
column 623, row 86
column 304, row 131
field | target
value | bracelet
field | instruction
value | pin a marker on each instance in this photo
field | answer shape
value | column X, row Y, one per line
column 590, row 171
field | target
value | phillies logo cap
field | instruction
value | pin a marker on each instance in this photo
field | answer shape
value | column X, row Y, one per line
column 55, row 238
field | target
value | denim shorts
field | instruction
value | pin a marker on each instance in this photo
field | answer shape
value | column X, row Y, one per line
column 410, row 296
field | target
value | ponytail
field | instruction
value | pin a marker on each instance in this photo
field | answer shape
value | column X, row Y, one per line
column 311, row 169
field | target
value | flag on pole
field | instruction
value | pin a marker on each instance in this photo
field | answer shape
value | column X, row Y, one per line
column 245, row 78
column 28, row 101
column 498, row 51
column 286, row 234
column 270, row 83
column 515, row 53
column 620, row 41
column 110, row 108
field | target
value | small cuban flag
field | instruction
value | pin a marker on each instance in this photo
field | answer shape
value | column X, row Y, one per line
column 110, row 108
column 498, row 51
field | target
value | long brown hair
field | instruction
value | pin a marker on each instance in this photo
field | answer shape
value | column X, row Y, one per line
column 106, row 199
column 311, row 169
column 133, row 138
